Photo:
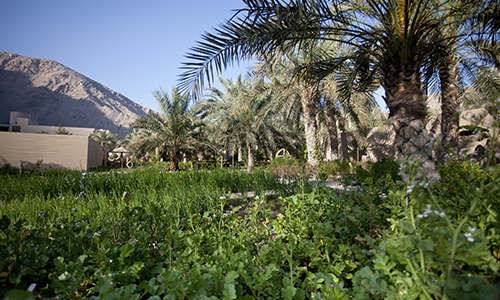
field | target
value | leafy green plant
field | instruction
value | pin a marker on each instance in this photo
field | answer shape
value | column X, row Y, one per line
column 385, row 169
column 285, row 167
column 335, row 167
column 146, row 234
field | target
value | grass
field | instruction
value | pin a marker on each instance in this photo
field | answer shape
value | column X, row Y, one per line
column 78, row 235
column 59, row 194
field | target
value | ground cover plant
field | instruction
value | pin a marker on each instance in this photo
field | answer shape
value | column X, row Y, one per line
column 146, row 234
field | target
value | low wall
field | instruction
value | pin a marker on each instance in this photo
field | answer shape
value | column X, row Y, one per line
column 55, row 151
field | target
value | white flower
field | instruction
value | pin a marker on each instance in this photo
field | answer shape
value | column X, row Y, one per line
column 420, row 216
column 32, row 287
column 75, row 209
column 96, row 234
column 442, row 214
column 468, row 234
column 41, row 213
column 222, row 197
column 257, row 198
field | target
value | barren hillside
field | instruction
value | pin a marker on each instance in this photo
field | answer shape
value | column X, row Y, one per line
column 60, row 95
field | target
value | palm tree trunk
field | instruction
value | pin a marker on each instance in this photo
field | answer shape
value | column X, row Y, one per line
column 227, row 150
column 331, row 124
column 448, row 74
column 240, row 152
column 174, row 161
column 407, row 110
column 308, row 98
column 201, row 154
column 251, row 156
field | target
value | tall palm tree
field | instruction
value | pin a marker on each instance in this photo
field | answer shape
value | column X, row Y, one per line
column 296, row 82
column 307, row 89
column 445, row 63
column 174, row 130
column 244, row 115
column 217, row 109
column 391, row 39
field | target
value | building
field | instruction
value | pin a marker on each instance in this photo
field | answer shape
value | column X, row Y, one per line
column 25, row 143
column 27, row 123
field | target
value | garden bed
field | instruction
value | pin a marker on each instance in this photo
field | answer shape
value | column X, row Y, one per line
column 75, row 235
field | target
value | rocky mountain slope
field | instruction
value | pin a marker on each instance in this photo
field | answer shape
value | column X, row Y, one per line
column 60, row 95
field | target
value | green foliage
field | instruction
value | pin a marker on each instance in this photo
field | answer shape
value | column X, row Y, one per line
column 379, row 173
column 8, row 169
column 105, row 138
column 62, row 130
column 335, row 167
column 285, row 167
column 178, row 236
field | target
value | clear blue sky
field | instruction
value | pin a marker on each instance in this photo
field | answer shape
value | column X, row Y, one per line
column 132, row 47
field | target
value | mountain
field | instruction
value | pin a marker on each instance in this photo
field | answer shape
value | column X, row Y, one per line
column 60, row 95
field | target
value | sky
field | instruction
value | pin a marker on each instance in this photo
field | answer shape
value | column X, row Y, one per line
column 132, row 47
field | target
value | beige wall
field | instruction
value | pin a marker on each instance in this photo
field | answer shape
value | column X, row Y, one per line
column 56, row 151
column 28, row 128
column 95, row 154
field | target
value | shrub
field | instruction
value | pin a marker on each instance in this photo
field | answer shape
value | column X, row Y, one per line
column 335, row 167
column 285, row 167
column 8, row 169
column 379, row 172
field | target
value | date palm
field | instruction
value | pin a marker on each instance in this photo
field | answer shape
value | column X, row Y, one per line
column 222, row 129
column 244, row 114
column 391, row 39
column 105, row 138
column 174, row 129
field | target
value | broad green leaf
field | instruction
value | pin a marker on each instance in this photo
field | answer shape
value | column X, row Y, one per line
column 19, row 295
column 126, row 250
column 229, row 292
column 231, row 276
column 81, row 259
column 288, row 292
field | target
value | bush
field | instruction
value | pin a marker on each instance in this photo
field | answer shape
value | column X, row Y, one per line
column 379, row 172
column 335, row 167
column 8, row 169
column 285, row 167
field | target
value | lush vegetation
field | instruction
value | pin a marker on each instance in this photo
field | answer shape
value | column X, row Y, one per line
column 145, row 234
column 213, row 233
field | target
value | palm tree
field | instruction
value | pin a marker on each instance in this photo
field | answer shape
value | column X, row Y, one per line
column 217, row 109
column 105, row 138
column 306, row 87
column 174, row 130
column 244, row 115
column 391, row 39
